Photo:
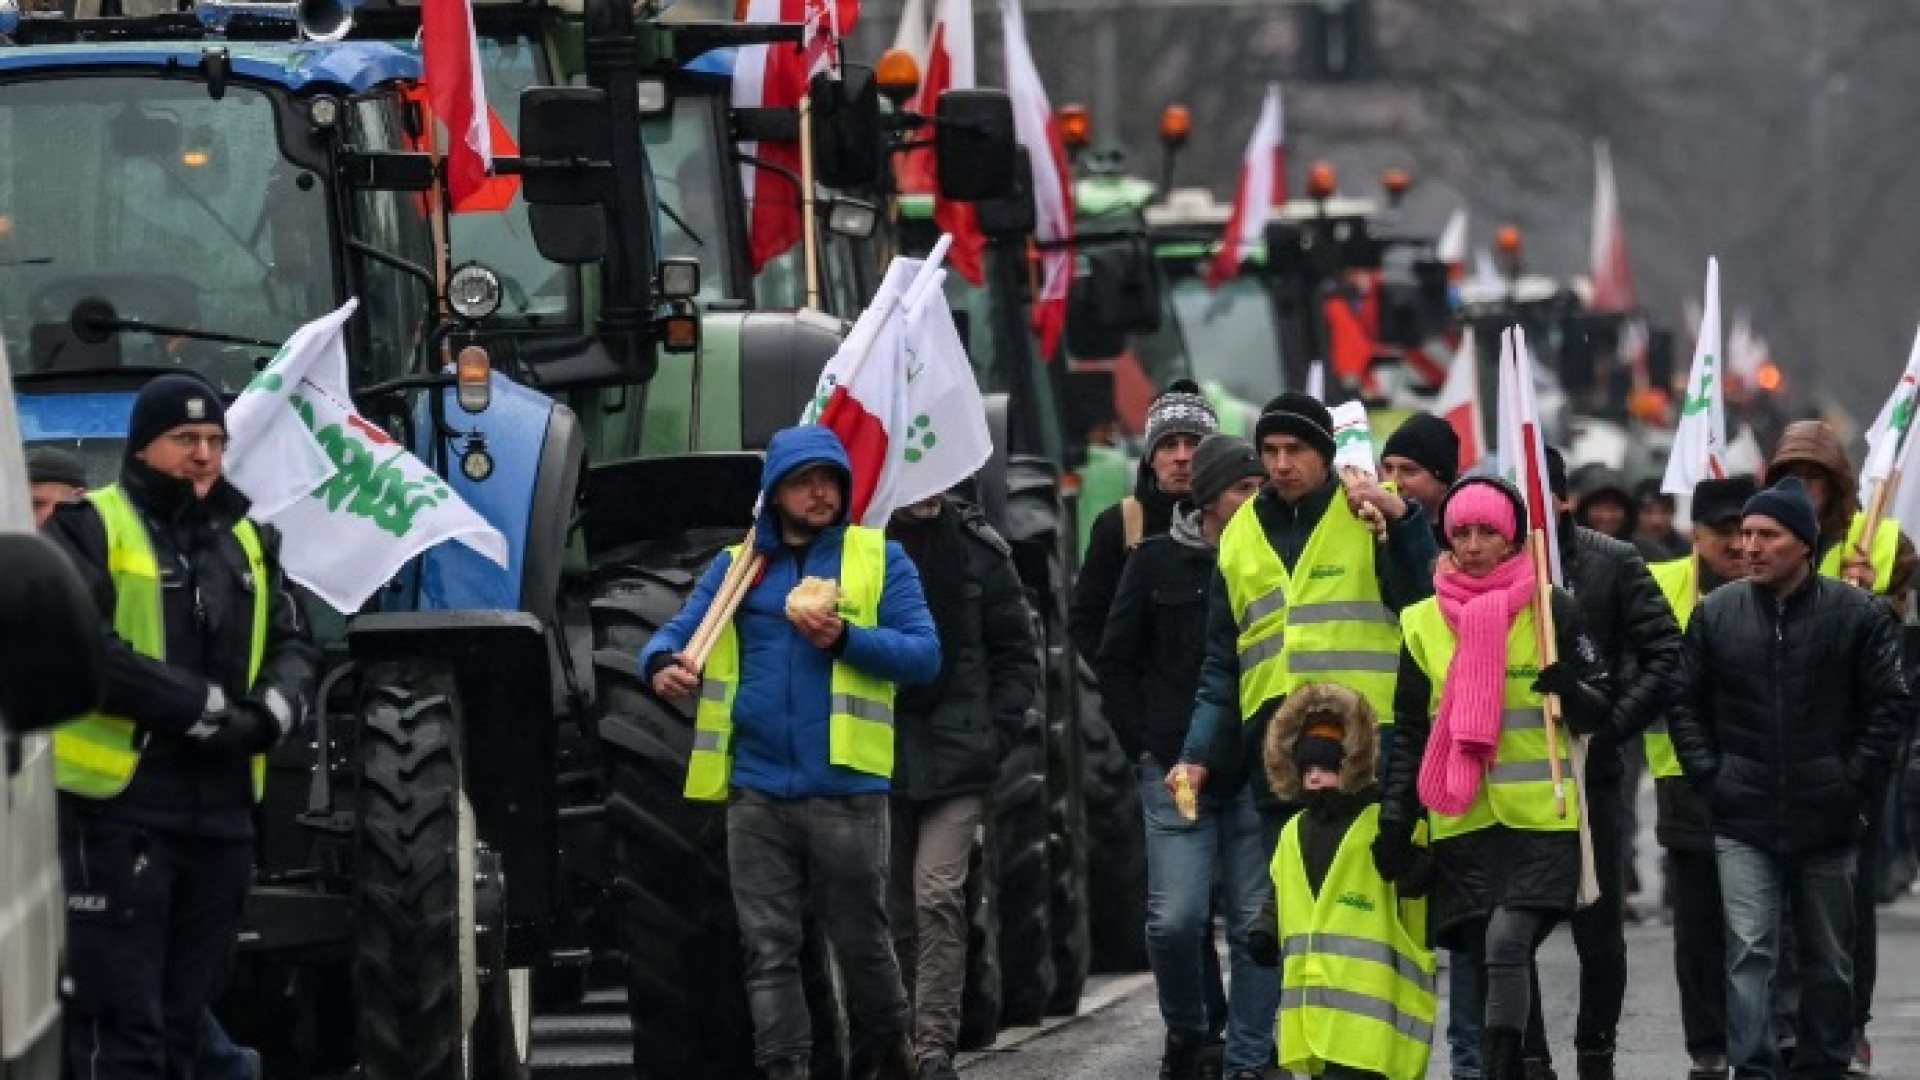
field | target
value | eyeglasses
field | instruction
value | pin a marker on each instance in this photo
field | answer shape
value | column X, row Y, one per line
column 188, row 440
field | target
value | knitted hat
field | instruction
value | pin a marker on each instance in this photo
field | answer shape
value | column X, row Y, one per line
column 1301, row 416
column 1322, row 744
column 1477, row 509
column 1787, row 503
column 168, row 402
column 52, row 465
column 1716, row 501
column 1429, row 442
column 1180, row 409
column 1220, row 462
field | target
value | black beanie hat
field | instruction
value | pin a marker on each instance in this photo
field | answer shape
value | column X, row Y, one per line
column 1301, row 416
column 168, row 402
column 1715, row 501
column 52, row 465
column 1787, row 503
column 1181, row 408
column 1429, row 442
column 1218, row 463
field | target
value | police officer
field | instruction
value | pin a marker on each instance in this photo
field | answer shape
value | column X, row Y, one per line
column 208, row 664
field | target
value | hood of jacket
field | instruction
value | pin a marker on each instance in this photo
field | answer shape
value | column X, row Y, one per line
column 1359, row 735
column 1813, row 442
column 794, row 448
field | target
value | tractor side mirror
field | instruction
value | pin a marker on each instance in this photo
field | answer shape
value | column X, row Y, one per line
column 974, row 150
column 1013, row 214
column 848, row 144
column 566, row 155
column 1118, row 294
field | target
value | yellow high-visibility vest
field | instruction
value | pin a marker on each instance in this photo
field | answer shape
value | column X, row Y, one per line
column 1324, row 622
column 1517, row 790
column 95, row 755
column 860, row 723
column 1678, row 584
column 1886, row 545
column 1356, row 976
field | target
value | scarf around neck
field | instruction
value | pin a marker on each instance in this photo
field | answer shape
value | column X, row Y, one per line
column 1480, row 612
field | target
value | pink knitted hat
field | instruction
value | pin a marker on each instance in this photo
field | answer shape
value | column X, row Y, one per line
column 1481, row 504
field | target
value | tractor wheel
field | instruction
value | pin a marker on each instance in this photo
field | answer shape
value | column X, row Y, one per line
column 421, row 890
column 981, row 999
column 1117, row 878
column 685, row 970
column 1023, row 880
column 1066, row 819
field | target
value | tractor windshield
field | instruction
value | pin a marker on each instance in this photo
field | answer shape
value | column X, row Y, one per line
column 136, row 211
column 687, row 151
column 1231, row 335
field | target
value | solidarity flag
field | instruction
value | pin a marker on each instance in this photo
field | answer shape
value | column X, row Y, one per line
column 371, row 508
column 1353, row 438
column 901, row 395
column 1458, row 402
column 1887, row 438
column 450, row 58
column 1523, row 443
column 1263, row 186
column 1611, row 272
column 1039, row 135
column 1700, row 440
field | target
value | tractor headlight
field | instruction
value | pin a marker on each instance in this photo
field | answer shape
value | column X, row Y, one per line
column 474, row 291
column 323, row 112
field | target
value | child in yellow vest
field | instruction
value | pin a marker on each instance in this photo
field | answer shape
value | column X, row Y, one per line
column 1357, row 997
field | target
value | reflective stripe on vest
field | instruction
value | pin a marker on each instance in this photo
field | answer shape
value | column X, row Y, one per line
column 1517, row 790
column 1676, row 580
column 1886, row 545
column 1357, row 981
column 860, row 717
column 95, row 755
column 1323, row 623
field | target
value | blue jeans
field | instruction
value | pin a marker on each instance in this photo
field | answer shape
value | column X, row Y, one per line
column 1753, row 884
column 1184, row 858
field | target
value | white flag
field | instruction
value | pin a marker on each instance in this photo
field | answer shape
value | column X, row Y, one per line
column 1451, row 248
column 381, row 506
column 16, row 501
column 1745, row 351
column 1700, row 440
column 1317, row 381
column 1888, row 435
column 275, row 464
column 1353, row 438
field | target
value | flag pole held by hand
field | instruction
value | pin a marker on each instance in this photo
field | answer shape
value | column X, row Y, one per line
column 1544, row 639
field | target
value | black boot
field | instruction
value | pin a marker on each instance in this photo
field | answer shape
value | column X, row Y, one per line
column 797, row 1069
column 1594, row 1065
column 1500, row 1054
column 1538, row 1068
column 887, row 1057
column 1180, row 1060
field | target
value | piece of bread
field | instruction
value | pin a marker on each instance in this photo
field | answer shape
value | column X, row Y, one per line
column 818, row 595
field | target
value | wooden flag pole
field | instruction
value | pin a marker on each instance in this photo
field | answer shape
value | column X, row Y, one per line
column 809, row 242
column 1544, row 638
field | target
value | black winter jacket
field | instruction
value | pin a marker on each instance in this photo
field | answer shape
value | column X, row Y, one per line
column 1631, row 623
column 952, row 733
column 207, row 594
column 1793, row 711
column 1156, row 633
column 1106, row 558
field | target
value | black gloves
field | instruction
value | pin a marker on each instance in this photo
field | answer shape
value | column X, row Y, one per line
column 1394, row 852
column 1583, row 709
column 1557, row 678
column 242, row 728
column 1263, row 938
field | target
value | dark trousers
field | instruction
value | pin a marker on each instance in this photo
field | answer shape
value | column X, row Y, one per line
column 1599, row 936
column 1699, row 951
column 827, row 858
column 1866, row 921
column 152, row 917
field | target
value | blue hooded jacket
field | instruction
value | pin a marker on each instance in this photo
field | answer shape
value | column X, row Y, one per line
column 780, row 710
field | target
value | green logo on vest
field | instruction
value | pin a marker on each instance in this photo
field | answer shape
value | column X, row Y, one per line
column 1324, row 571
column 1357, row 901
column 1523, row 671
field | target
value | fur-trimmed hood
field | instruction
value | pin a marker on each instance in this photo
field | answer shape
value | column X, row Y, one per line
column 1814, row 442
column 1315, row 701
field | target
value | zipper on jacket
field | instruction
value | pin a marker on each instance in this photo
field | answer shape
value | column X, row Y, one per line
column 1779, row 719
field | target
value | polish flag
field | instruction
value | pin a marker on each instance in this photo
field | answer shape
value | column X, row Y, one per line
column 1458, row 402
column 821, row 40
column 1263, row 186
column 1611, row 273
column 1348, row 342
column 1039, row 135
column 1523, row 444
column 450, row 57
column 775, row 77
column 910, row 36
column 1451, row 248
column 946, row 65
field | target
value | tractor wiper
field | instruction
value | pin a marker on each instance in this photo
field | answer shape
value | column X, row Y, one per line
column 94, row 321
column 667, row 209
column 32, row 260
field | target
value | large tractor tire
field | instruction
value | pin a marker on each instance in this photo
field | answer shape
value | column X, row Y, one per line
column 1023, row 878
column 1116, row 834
column 685, row 971
column 982, row 998
column 422, row 884
column 1066, row 819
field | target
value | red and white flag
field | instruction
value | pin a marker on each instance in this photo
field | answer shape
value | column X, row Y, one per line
column 1611, row 273
column 450, row 59
column 910, row 36
column 1458, row 402
column 901, row 395
column 1523, row 443
column 947, row 65
column 1451, row 248
column 1039, row 135
column 775, row 77
column 1263, row 186
column 821, row 41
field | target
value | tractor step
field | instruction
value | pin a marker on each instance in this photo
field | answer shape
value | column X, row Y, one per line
column 591, row 1041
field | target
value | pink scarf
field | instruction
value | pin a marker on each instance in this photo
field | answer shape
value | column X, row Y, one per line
column 1480, row 611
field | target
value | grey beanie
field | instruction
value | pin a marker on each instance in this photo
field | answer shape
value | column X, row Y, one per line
column 1219, row 462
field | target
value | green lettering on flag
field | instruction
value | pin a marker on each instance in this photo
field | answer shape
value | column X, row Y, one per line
column 1699, row 401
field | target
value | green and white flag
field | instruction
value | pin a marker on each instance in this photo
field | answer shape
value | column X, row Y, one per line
column 1889, row 431
column 1353, row 438
column 373, row 505
column 1700, row 441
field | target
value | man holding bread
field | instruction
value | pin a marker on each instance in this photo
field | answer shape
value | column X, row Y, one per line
column 794, row 730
